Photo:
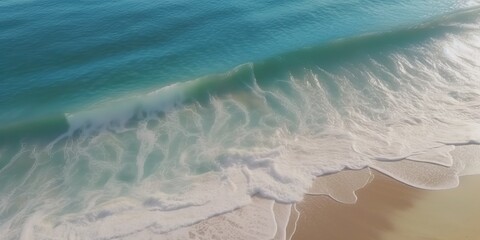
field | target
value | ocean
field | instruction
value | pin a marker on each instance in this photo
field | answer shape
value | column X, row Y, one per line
column 141, row 119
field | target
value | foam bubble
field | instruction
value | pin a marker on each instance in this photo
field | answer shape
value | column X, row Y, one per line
column 341, row 186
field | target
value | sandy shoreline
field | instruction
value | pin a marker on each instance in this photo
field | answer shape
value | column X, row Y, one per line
column 390, row 210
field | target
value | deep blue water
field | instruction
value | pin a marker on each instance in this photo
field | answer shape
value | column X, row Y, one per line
column 62, row 56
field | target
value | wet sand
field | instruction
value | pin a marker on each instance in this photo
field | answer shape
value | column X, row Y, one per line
column 390, row 210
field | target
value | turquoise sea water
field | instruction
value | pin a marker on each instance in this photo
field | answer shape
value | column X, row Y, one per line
column 136, row 119
column 62, row 56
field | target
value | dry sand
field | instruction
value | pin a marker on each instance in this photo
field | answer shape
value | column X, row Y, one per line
column 390, row 210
